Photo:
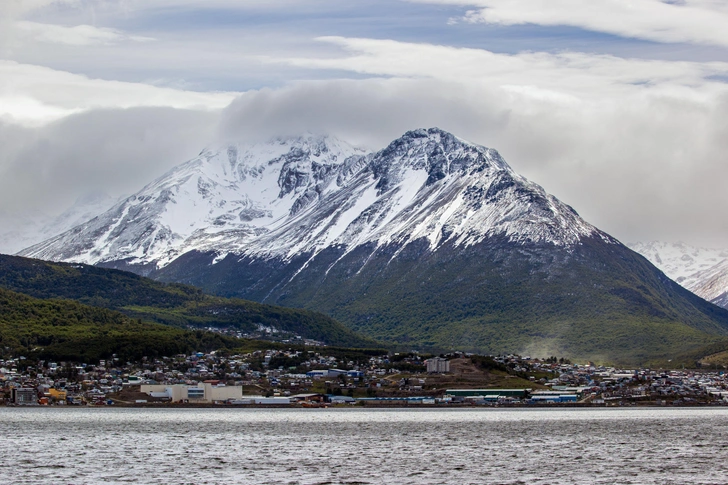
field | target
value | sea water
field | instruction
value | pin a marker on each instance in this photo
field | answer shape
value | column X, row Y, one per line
column 363, row 446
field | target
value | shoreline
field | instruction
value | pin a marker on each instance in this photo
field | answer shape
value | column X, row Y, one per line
column 373, row 406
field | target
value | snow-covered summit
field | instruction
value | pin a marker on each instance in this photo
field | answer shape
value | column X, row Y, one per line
column 300, row 195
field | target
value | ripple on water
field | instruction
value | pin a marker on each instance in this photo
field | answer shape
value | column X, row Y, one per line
column 360, row 446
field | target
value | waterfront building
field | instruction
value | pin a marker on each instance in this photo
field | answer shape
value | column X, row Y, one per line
column 24, row 396
column 517, row 393
column 204, row 392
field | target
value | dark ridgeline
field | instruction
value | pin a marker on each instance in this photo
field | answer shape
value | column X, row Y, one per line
column 174, row 305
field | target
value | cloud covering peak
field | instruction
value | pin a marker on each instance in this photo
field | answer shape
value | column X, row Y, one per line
column 618, row 108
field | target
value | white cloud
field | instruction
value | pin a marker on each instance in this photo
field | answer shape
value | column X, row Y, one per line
column 567, row 75
column 36, row 95
column 17, row 32
column 17, row 8
column 689, row 21
column 103, row 150
column 79, row 35
column 13, row 10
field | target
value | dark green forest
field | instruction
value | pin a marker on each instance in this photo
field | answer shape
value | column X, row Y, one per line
column 173, row 305
column 67, row 330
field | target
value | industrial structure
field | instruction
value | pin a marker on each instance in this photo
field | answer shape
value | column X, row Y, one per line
column 437, row 365
column 203, row 392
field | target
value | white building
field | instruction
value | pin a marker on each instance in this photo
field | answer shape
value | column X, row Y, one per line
column 202, row 392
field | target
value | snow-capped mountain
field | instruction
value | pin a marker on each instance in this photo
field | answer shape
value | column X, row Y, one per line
column 301, row 195
column 18, row 231
column 679, row 261
column 703, row 271
column 221, row 199
column 430, row 242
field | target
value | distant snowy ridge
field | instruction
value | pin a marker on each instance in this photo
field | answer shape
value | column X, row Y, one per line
column 701, row 270
column 712, row 284
column 301, row 195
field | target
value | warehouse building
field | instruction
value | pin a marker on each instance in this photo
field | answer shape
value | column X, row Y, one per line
column 514, row 393
column 203, row 392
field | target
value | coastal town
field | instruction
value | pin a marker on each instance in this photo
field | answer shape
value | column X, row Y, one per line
column 330, row 377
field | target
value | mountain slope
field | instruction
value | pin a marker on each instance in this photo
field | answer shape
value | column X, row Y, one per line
column 219, row 200
column 700, row 270
column 67, row 330
column 301, row 195
column 429, row 242
column 597, row 302
column 176, row 305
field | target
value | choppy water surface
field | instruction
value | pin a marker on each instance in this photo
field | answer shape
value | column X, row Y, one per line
column 319, row 446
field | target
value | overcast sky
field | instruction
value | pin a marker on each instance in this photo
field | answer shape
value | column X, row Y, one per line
column 619, row 108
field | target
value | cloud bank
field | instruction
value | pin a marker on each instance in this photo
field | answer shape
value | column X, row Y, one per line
column 36, row 95
column 636, row 145
column 649, row 167
column 115, row 151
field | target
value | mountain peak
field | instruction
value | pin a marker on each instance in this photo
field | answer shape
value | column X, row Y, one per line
column 432, row 133
column 435, row 151
column 304, row 194
column 429, row 137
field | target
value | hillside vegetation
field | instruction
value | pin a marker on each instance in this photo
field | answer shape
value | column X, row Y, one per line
column 171, row 304
column 67, row 330
column 598, row 301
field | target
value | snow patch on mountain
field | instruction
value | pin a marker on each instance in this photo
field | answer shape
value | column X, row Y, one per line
column 712, row 284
